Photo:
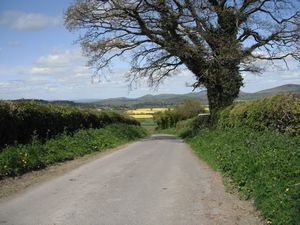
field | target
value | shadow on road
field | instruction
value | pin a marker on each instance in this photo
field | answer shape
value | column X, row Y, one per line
column 163, row 137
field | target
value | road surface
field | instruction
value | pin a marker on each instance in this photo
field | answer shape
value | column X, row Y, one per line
column 156, row 181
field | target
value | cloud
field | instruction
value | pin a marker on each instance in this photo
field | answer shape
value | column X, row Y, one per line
column 66, row 64
column 275, row 74
column 63, row 74
column 39, row 70
column 21, row 21
column 60, row 69
column 59, row 64
column 60, row 58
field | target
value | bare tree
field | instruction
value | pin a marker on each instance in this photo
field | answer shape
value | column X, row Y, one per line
column 214, row 39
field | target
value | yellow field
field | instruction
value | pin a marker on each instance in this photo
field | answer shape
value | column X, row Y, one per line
column 145, row 113
column 142, row 116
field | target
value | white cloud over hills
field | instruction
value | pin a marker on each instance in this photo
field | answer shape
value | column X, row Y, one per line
column 59, row 64
column 63, row 74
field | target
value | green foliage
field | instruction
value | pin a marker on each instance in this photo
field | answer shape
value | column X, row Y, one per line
column 148, row 124
column 19, row 159
column 20, row 120
column 190, row 127
column 165, row 119
column 188, row 109
column 280, row 112
column 185, row 124
column 185, row 128
column 264, row 166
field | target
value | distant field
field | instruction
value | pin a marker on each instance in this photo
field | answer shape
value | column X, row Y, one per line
column 145, row 113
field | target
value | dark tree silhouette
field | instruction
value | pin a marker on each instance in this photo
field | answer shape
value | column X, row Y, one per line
column 214, row 39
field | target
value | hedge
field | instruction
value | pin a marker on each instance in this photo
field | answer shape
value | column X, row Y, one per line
column 280, row 112
column 19, row 121
column 189, row 108
column 18, row 159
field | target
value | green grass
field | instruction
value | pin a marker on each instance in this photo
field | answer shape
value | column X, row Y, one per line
column 150, row 129
column 16, row 160
column 148, row 124
column 263, row 166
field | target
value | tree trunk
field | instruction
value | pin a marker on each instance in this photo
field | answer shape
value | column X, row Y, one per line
column 223, row 89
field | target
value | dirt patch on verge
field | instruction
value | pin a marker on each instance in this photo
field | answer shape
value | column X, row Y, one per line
column 223, row 191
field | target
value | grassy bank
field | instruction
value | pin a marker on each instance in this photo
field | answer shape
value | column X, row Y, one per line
column 263, row 166
column 16, row 160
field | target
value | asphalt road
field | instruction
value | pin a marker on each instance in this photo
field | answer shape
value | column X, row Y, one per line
column 156, row 181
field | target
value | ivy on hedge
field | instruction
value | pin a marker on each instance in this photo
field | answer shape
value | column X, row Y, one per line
column 280, row 112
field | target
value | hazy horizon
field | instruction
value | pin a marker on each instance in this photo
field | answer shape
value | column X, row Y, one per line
column 153, row 94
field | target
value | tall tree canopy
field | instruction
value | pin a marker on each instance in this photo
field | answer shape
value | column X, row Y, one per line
column 214, row 39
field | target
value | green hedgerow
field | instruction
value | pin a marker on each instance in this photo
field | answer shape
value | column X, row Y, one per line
column 19, row 159
column 19, row 121
column 280, row 112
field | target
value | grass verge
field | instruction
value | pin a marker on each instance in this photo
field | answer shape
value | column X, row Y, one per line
column 263, row 165
column 17, row 160
column 148, row 124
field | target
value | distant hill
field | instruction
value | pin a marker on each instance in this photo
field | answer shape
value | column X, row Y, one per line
column 149, row 100
column 288, row 88
column 282, row 89
column 169, row 100
column 58, row 102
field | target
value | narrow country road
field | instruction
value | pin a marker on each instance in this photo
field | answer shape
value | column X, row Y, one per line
column 156, row 181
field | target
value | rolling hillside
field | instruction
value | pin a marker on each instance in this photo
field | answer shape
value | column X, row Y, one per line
column 288, row 88
column 150, row 100
column 174, row 99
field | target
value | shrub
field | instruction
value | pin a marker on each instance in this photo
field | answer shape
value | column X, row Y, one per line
column 279, row 112
column 19, row 121
column 185, row 124
column 188, row 109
